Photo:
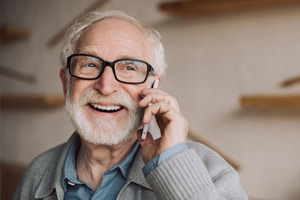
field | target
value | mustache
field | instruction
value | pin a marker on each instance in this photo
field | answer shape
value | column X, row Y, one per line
column 119, row 98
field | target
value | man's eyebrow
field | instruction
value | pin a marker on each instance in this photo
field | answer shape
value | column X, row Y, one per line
column 94, row 52
column 128, row 57
column 90, row 51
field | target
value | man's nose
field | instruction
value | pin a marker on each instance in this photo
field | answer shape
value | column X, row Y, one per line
column 107, row 84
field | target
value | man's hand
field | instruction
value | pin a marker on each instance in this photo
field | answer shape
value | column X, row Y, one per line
column 172, row 124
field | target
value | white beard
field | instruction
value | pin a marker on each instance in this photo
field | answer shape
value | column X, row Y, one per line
column 108, row 132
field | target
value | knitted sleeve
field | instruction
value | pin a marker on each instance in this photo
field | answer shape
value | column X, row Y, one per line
column 186, row 176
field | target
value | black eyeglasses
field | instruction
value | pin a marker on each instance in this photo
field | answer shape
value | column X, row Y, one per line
column 89, row 67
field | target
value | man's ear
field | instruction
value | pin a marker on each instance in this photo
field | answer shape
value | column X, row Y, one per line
column 63, row 78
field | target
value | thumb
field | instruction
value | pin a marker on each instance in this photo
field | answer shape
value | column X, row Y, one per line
column 148, row 139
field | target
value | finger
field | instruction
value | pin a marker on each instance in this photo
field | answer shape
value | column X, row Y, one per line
column 158, row 97
column 157, row 108
column 147, row 91
column 151, row 98
column 147, row 140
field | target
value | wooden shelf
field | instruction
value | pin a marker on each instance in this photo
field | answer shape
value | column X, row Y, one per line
column 60, row 35
column 12, row 73
column 9, row 33
column 270, row 101
column 291, row 81
column 31, row 101
column 202, row 7
column 10, row 177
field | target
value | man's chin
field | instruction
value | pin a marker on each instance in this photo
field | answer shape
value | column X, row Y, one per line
column 105, row 137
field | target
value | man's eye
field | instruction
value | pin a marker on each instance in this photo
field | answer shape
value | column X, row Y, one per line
column 130, row 68
column 91, row 65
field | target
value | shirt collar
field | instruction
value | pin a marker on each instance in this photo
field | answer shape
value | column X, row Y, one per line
column 51, row 179
column 69, row 169
column 125, row 165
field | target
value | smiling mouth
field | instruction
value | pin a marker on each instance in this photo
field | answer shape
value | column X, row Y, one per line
column 107, row 109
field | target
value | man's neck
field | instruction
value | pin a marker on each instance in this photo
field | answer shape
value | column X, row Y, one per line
column 94, row 160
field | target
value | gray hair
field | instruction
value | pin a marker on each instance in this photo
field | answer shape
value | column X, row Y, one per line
column 75, row 31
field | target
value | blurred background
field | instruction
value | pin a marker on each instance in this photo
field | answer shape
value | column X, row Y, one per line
column 233, row 66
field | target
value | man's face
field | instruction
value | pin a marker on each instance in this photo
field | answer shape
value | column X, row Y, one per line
column 105, row 111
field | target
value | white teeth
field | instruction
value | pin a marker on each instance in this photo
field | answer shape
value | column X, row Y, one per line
column 108, row 108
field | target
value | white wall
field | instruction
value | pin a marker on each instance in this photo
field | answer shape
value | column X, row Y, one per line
column 212, row 61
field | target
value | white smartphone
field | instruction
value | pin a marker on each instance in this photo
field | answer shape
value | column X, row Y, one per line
column 146, row 126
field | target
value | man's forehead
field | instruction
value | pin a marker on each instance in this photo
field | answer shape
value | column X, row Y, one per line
column 121, row 37
column 111, row 27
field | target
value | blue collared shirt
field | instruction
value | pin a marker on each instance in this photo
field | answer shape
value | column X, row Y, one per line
column 113, row 180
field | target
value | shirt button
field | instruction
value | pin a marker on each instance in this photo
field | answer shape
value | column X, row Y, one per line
column 70, row 183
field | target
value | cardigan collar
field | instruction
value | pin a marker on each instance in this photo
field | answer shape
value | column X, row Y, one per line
column 51, row 180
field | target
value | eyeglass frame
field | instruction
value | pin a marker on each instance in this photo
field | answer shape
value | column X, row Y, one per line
column 110, row 64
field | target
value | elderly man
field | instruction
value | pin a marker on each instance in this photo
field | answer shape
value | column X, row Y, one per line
column 109, row 63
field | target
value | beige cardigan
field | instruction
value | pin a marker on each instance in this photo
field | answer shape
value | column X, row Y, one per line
column 198, row 173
